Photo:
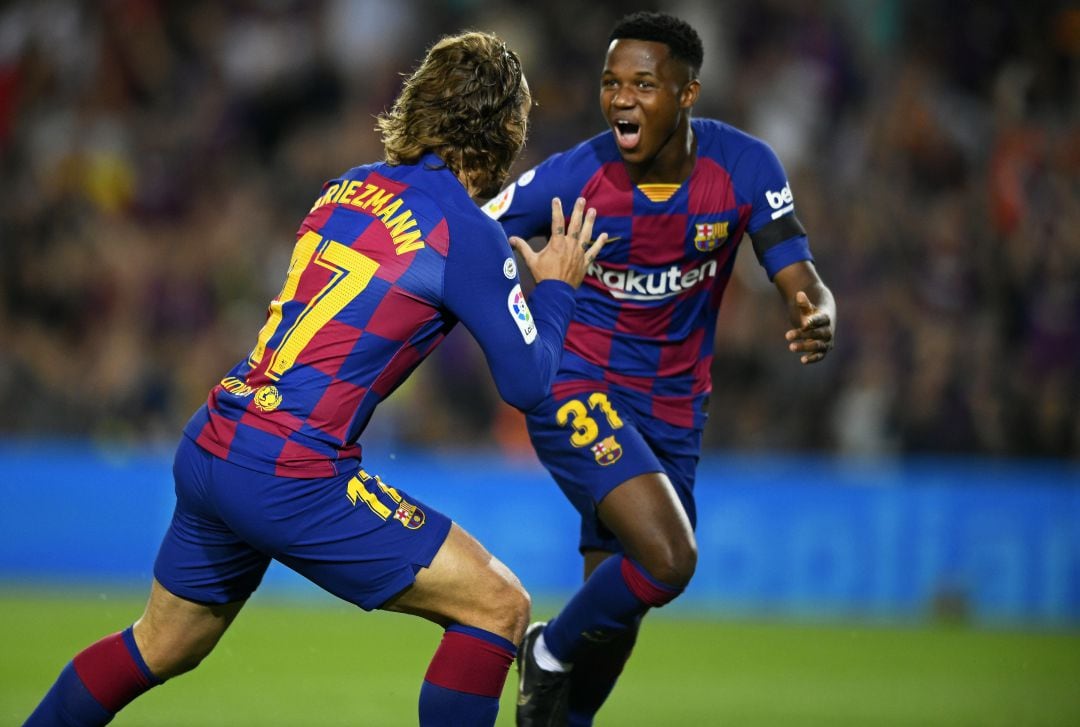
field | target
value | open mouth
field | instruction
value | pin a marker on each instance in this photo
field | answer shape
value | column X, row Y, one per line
column 627, row 134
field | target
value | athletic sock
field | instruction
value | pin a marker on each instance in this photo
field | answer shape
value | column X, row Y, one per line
column 96, row 684
column 545, row 659
column 612, row 600
column 596, row 670
column 465, row 679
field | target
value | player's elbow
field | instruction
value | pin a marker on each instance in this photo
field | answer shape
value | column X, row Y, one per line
column 522, row 395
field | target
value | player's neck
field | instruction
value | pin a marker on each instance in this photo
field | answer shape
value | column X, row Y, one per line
column 673, row 164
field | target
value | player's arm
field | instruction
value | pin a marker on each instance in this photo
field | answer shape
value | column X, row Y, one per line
column 782, row 248
column 522, row 341
column 523, row 207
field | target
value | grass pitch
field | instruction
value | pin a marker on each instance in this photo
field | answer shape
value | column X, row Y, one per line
column 330, row 664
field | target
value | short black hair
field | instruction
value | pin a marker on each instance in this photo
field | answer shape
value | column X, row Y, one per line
column 676, row 34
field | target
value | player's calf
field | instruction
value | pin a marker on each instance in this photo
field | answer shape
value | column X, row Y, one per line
column 100, row 681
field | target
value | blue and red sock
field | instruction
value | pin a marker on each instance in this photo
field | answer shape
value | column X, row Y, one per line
column 612, row 600
column 596, row 669
column 465, row 678
column 96, row 684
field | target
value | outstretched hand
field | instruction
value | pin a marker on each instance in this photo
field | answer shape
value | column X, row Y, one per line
column 814, row 336
column 570, row 249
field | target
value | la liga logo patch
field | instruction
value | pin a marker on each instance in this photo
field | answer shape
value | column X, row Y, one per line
column 519, row 309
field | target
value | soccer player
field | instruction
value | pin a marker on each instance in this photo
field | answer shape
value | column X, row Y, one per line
column 621, row 433
column 391, row 256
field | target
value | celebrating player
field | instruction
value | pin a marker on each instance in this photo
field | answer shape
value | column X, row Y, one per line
column 621, row 434
column 389, row 258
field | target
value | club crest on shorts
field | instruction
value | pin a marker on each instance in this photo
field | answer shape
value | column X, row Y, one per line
column 360, row 489
column 607, row 451
column 409, row 515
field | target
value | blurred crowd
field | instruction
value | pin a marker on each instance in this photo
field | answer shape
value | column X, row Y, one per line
column 157, row 156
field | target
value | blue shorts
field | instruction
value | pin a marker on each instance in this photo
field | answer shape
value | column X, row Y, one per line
column 351, row 534
column 594, row 441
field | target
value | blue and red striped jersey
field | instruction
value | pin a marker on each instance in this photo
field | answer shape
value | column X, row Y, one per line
column 387, row 261
column 646, row 313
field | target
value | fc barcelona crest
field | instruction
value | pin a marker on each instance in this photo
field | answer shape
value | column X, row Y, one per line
column 710, row 235
column 607, row 451
column 409, row 515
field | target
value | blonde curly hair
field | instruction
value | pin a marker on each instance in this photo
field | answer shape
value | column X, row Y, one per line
column 466, row 102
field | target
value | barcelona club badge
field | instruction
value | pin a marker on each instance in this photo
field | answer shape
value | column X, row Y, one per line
column 710, row 235
column 607, row 451
column 409, row 515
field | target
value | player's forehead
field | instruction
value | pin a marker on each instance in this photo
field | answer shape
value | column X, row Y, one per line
column 634, row 57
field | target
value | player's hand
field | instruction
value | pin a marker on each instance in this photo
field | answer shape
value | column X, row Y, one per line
column 814, row 336
column 569, row 250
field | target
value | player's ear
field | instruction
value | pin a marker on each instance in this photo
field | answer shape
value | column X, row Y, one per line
column 689, row 95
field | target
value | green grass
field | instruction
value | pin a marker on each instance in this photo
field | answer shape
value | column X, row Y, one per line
column 330, row 664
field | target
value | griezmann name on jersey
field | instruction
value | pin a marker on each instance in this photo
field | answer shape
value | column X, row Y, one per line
column 387, row 261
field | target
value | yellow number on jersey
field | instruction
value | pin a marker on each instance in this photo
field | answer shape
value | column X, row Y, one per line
column 352, row 271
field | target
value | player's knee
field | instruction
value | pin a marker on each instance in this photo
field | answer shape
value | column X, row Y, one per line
column 673, row 565
column 504, row 609
column 512, row 611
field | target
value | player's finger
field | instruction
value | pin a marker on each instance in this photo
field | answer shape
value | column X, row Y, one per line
column 574, row 229
column 522, row 248
column 586, row 227
column 558, row 221
column 594, row 250
column 818, row 320
column 803, row 301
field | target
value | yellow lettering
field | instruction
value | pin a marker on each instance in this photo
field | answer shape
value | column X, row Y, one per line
column 388, row 211
column 368, row 190
column 400, row 224
column 326, row 197
column 408, row 242
column 235, row 386
column 405, row 238
column 378, row 200
column 348, row 192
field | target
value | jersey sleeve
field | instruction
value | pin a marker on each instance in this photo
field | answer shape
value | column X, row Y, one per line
column 523, row 208
column 778, row 237
column 521, row 340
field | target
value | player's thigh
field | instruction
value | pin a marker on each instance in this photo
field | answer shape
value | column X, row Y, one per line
column 202, row 558
column 466, row 584
column 591, row 443
column 647, row 517
column 356, row 536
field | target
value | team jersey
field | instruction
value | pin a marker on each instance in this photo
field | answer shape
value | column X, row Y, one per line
column 646, row 312
column 387, row 261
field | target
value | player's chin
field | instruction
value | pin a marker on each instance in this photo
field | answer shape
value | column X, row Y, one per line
column 637, row 155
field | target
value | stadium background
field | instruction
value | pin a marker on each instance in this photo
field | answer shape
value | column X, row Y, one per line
column 890, row 537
